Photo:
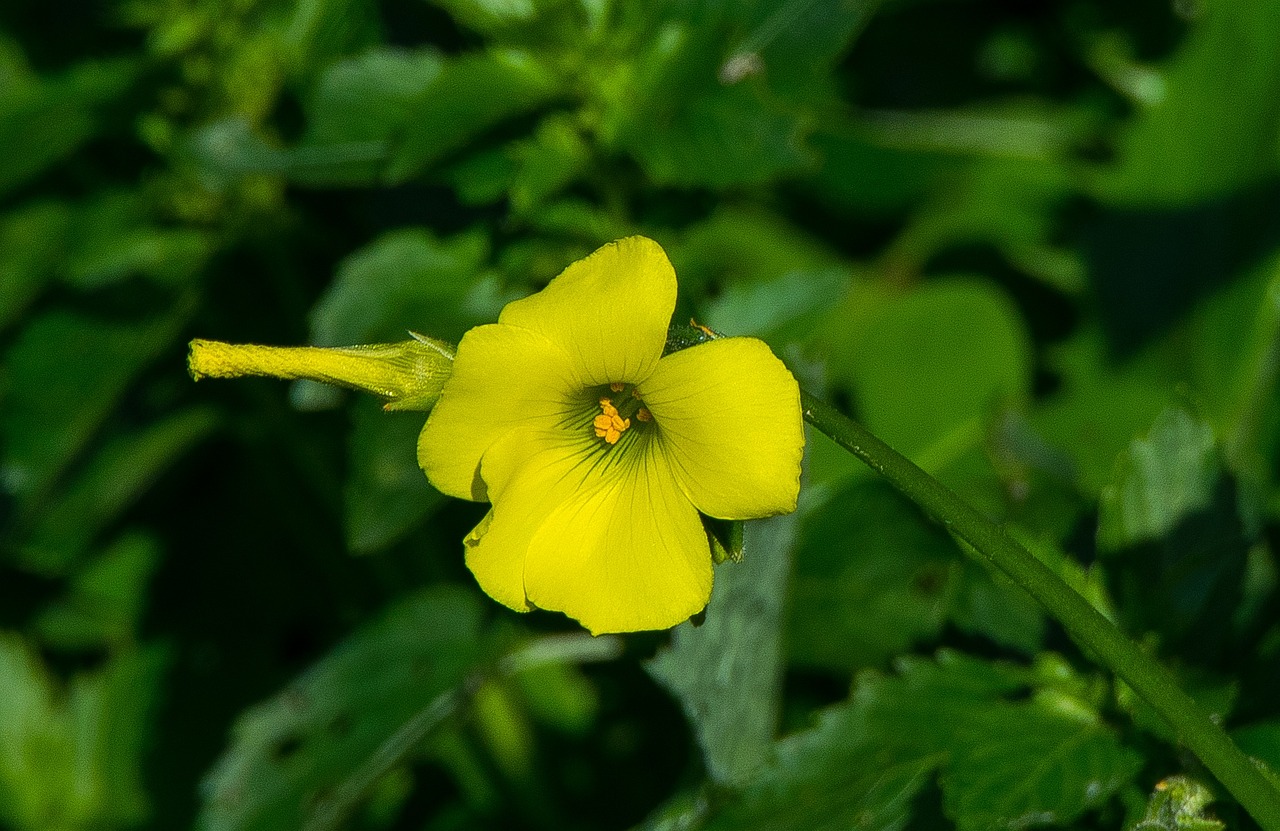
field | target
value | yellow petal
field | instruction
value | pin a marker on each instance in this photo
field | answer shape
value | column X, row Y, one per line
column 608, row 311
column 498, row 568
column 728, row 416
column 519, row 471
column 609, row 539
column 503, row 378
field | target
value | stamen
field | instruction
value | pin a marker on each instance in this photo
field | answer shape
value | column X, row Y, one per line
column 617, row 386
column 644, row 415
column 609, row 425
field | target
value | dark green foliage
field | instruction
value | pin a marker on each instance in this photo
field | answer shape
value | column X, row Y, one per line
column 1036, row 247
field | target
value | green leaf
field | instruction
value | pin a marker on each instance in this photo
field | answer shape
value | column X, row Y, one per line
column 1160, row 481
column 1260, row 740
column 932, row 366
column 73, row 756
column 727, row 672
column 931, row 372
column 1099, row 408
column 1003, row 764
column 1215, row 124
column 115, row 238
column 31, row 246
column 471, row 94
column 321, row 31
column 493, row 16
column 357, row 111
column 386, row 493
column 1170, row 522
column 108, row 484
column 723, row 139
column 44, row 121
column 106, row 599
column 113, row 711
column 292, row 750
column 988, row 603
column 864, row 762
column 780, row 309
column 547, row 163
column 1019, row 765
column 872, row 578
column 724, row 94
column 738, row 244
column 405, row 279
column 1179, row 804
column 65, row 374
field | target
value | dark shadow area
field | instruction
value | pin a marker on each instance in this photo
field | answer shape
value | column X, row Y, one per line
column 1149, row 268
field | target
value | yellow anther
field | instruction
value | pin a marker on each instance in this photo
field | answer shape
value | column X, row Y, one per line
column 617, row 386
column 644, row 415
column 609, row 425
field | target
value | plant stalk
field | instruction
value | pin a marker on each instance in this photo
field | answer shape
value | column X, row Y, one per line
column 1209, row 742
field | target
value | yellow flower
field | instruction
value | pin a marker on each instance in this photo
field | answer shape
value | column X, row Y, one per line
column 598, row 452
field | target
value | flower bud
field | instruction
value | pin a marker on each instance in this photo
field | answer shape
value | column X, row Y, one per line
column 409, row 374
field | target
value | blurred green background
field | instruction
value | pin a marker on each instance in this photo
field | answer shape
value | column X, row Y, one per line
column 1036, row 247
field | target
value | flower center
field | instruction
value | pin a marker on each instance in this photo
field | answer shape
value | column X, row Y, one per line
column 616, row 412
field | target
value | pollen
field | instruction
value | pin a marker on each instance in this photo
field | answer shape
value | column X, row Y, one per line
column 609, row 425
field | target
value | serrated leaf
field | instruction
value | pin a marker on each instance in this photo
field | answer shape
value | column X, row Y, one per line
column 1004, row 764
column 290, row 751
column 727, row 673
column 864, row 762
column 1018, row 766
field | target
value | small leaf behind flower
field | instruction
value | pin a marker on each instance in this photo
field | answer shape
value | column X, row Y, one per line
column 727, row 672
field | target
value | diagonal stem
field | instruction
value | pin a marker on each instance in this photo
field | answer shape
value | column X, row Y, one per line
column 1237, row 773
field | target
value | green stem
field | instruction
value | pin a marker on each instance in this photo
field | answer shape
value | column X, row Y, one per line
column 1121, row 655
